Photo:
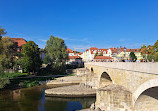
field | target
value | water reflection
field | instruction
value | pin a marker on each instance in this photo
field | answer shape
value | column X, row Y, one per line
column 74, row 105
column 33, row 99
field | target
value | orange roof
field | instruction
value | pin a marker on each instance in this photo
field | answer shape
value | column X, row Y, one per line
column 80, row 53
column 132, row 50
column 69, row 50
column 103, row 57
column 75, row 57
column 117, row 50
column 20, row 41
column 93, row 48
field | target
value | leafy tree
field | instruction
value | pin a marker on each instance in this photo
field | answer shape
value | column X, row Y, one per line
column 101, row 54
column 56, row 54
column 2, row 32
column 132, row 56
column 152, row 56
column 143, row 46
column 6, row 56
column 96, row 54
column 150, row 49
column 3, row 80
column 47, row 60
column 156, row 46
column 31, row 60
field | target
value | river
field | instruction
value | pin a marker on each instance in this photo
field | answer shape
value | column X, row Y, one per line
column 33, row 99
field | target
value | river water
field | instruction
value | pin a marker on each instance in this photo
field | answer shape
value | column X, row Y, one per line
column 33, row 99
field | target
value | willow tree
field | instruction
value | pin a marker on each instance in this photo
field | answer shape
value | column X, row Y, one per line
column 56, row 54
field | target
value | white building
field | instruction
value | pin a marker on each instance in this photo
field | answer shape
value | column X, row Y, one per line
column 89, row 54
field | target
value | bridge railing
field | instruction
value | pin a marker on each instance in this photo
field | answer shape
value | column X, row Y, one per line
column 151, row 68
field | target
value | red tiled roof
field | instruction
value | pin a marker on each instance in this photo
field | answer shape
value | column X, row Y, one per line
column 20, row 41
column 74, row 57
column 80, row 53
column 93, row 48
column 132, row 50
column 103, row 57
column 69, row 50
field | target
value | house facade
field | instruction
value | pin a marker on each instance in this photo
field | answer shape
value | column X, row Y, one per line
column 103, row 59
column 89, row 54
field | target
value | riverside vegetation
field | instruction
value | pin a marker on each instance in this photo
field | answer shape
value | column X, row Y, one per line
column 29, row 61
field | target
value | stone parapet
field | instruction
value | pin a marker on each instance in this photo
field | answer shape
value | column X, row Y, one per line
column 130, row 66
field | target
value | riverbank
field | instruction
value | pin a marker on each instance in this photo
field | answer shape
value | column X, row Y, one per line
column 71, row 91
column 73, row 79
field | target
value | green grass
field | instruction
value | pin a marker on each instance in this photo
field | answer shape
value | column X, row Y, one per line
column 13, row 75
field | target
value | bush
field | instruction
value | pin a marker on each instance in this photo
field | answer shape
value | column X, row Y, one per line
column 3, row 80
column 28, row 83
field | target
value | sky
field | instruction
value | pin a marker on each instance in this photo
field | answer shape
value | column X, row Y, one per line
column 82, row 23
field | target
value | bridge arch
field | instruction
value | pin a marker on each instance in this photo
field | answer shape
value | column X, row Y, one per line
column 92, row 71
column 104, row 79
column 143, row 87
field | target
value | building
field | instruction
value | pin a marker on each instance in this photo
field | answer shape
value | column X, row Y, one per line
column 103, row 59
column 89, row 54
column 19, row 42
column 125, row 54
column 77, row 59
column 70, row 52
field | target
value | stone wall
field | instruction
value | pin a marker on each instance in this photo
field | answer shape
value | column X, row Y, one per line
column 114, row 98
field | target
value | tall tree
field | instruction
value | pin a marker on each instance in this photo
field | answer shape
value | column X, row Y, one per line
column 156, row 46
column 31, row 60
column 6, row 56
column 132, row 56
column 2, row 32
column 56, row 52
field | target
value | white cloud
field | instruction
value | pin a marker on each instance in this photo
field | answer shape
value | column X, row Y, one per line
column 43, row 40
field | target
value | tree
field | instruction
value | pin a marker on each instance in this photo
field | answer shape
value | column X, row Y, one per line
column 2, row 32
column 101, row 54
column 132, row 56
column 56, row 54
column 31, row 60
column 156, row 46
column 6, row 56
column 96, row 54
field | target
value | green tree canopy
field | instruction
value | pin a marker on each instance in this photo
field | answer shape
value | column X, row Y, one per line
column 101, row 54
column 31, row 60
column 132, row 56
column 2, row 32
column 6, row 56
column 156, row 46
column 56, row 54
column 96, row 54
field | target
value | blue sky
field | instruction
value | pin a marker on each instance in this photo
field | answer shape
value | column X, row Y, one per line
column 82, row 23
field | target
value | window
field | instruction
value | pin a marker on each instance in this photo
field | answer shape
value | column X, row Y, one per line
column 18, row 49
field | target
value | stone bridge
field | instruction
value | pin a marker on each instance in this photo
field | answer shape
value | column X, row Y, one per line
column 119, row 84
